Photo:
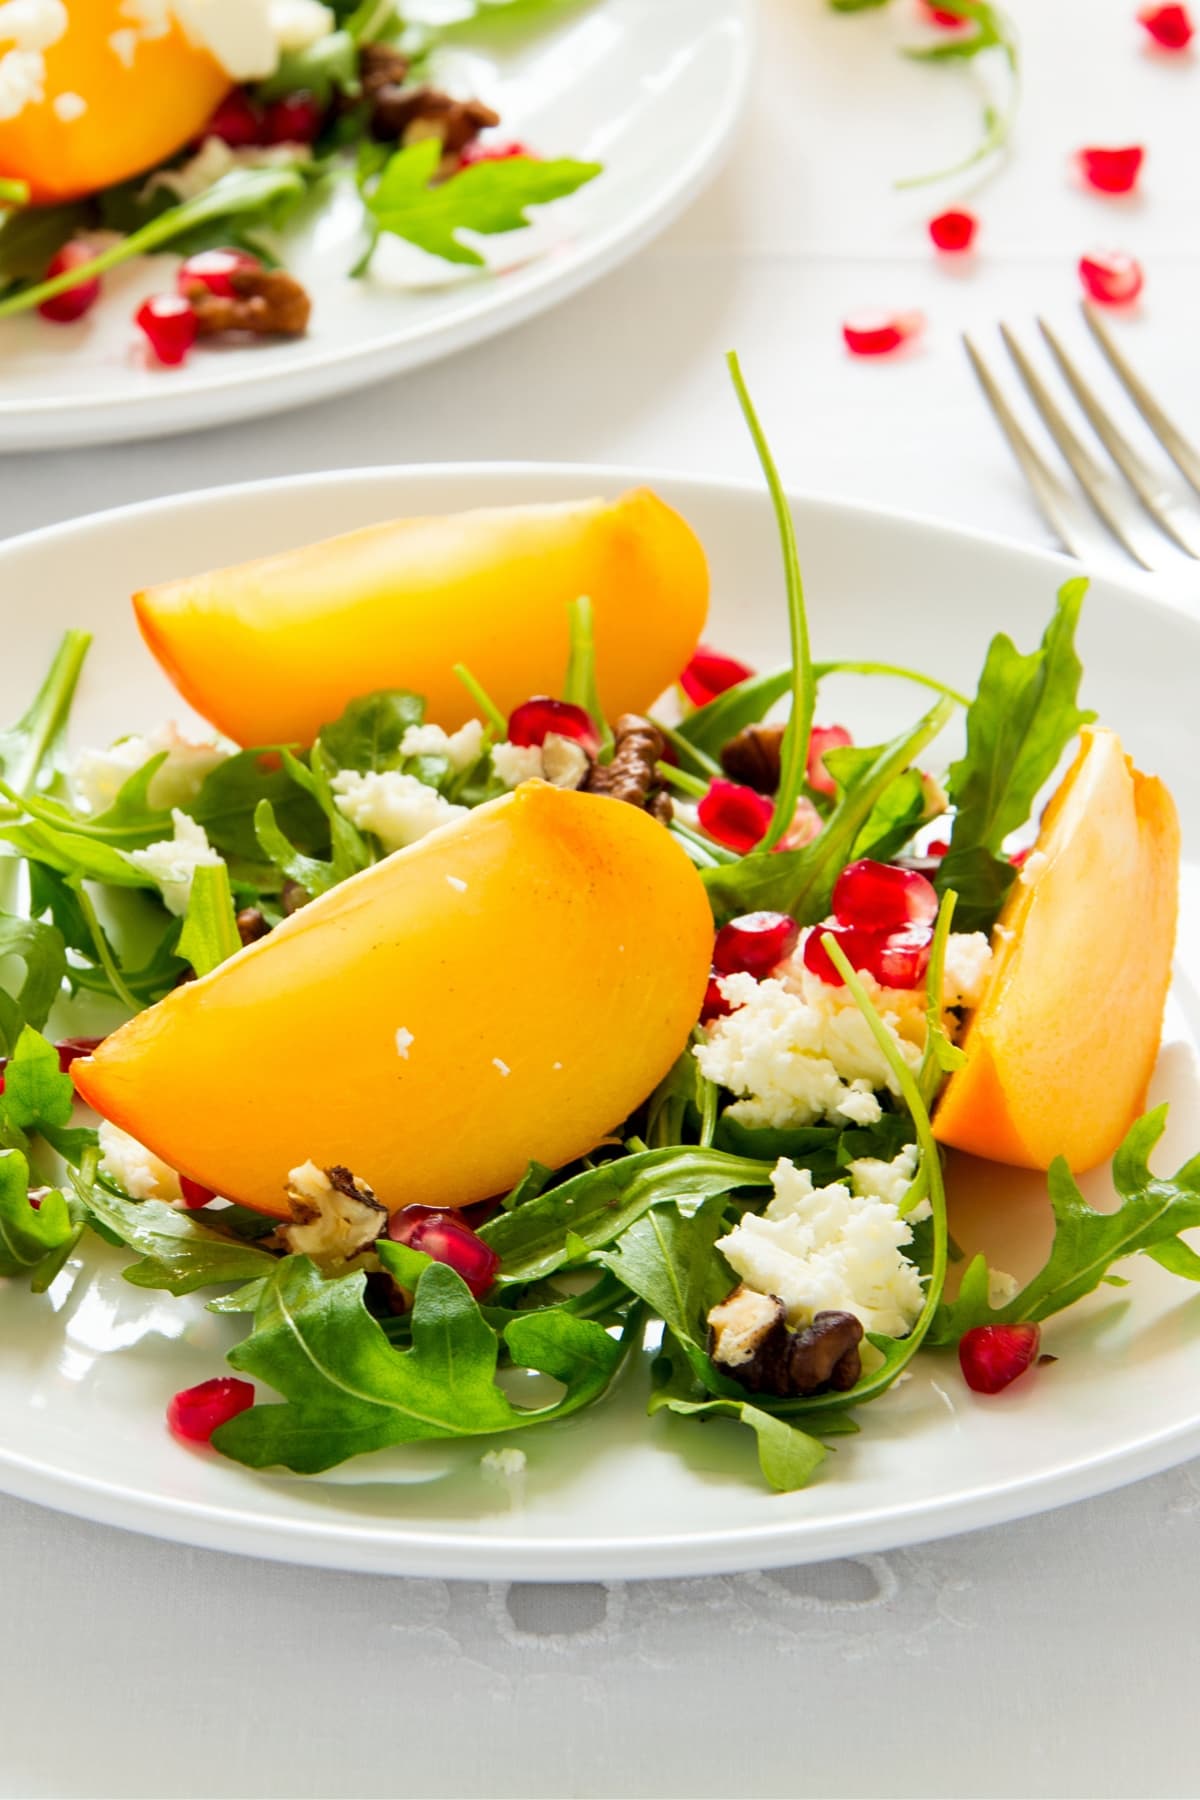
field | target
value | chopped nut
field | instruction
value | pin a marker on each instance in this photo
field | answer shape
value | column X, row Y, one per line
column 293, row 896
column 251, row 925
column 267, row 302
column 632, row 775
column 334, row 1213
column 410, row 114
column 380, row 66
column 749, row 1339
column 565, row 763
column 753, row 757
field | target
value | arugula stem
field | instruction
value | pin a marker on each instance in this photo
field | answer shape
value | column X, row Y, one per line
column 929, row 1075
column 104, row 953
column 822, row 669
column 48, row 714
column 703, row 763
column 716, row 853
column 691, row 785
column 483, row 700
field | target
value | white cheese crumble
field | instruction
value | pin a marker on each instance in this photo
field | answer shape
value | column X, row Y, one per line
column 97, row 776
column 173, row 861
column 214, row 159
column 515, row 763
column 404, row 1042
column 123, row 45
column 455, row 881
column 968, row 965
column 828, row 1249
column 298, row 24
column 398, row 808
column 1002, row 1287
column 236, row 33
column 30, row 28
column 503, row 1465
column 143, row 1175
column 875, row 1179
column 498, row 1063
column 1032, row 867
column 69, row 107
column 461, row 748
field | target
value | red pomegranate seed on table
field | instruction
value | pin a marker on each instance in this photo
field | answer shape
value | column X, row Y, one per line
column 214, row 270
column 482, row 152
column 876, row 896
column 1111, row 171
column 715, row 1006
column 734, row 815
column 1170, row 26
column 992, row 1356
column 937, row 15
column 954, row 231
column 753, row 944
column 73, row 302
column 444, row 1237
column 236, row 121
column 823, row 738
column 532, row 722
column 1111, row 277
column 194, row 1195
column 170, row 325
column 710, row 673
column 878, row 333
column 196, row 1413
column 296, row 119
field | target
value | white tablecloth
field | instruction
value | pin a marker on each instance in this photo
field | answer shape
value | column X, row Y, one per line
column 1051, row 1657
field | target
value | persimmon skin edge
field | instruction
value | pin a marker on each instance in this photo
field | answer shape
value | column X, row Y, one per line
column 544, row 1002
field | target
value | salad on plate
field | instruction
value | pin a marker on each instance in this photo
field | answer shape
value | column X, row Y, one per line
column 516, row 991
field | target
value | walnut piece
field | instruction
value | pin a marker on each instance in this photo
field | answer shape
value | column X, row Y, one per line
column 267, row 302
column 334, row 1213
column 380, row 66
column 409, row 114
column 632, row 774
column 753, row 757
column 748, row 1337
column 251, row 925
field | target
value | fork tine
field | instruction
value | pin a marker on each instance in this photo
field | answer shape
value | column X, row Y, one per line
column 1182, row 453
column 1088, row 472
column 1049, row 489
column 1140, row 476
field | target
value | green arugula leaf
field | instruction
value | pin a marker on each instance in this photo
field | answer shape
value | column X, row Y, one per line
column 43, row 952
column 36, row 1092
column 347, row 1390
column 73, row 854
column 326, row 68
column 580, row 685
column 210, row 934
column 29, row 1236
column 177, row 1253
column 1022, row 718
column 227, row 801
column 369, row 733
column 787, row 1455
column 667, row 1258
column 32, row 752
column 29, row 239
column 488, row 197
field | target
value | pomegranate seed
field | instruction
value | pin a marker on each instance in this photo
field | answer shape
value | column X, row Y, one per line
column 196, row 1412
column 823, row 738
column 710, row 673
column 991, row 1356
column 1111, row 277
column 71, row 1049
column 937, row 849
column 734, row 815
column 443, row 1236
column 1112, row 171
column 1019, row 858
column 533, row 721
column 855, row 945
column 902, row 958
column 877, row 896
column 877, row 334
column 1170, row 26
column 236, row 121
column 214, row 269
column 195, row 1196
column 937, row 15
column 754, row 944
column 479, row 152
column 65, row 308
column 170, row 324
column 296, row 119
column 954, row 231
column 715, row 1006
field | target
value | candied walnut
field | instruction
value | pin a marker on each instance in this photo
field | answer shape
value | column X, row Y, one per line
column 748, row 1337
column 753, row 757
column 410, row 114
column 334, row 1213
column 293, row 896
column 380, row 66
column 632, row 774
column 267, row 302
column 251, row 925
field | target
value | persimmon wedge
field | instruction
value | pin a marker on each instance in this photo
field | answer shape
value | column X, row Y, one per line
column 1061, row 1050
column 272, row 650
column 508, row 989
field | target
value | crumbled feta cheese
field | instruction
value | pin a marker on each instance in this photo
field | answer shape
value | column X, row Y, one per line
column 515, row 763
column 298, row 24
column 826, row 1249
column 503, row 1466
column 459, row 886
column 498, row 1063
column 1032, row 867
column 334, row 1214
column 124, row 44
column 936, row 800
column 874, row 1179
column 216, row 158
column 968, row 965
column 236, row 33
column 1002, row 1287
column 97, row 776
column 143, row 1175
column 461, row 748
column 22, row 82
column 404, row 1042
column 69, row 107
column 29, row 28
column 398, row 808
column 173, row 861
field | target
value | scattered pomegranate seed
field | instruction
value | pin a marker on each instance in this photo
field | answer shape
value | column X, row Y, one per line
column 753, row 944
column 65, row 308
column 71, row 1049
column 877, row 334
column 1111, row 277
column 902, row 958
column 896, row 959
column 196, row 1412
column 532, row 722
column 1170, row 26
column 481, row 152
column 734, row 815
column 937, row 15
column 444, row 1236
column 1112, row 171
column 214, row 269
column 194, row 1195
column 236, row 121
column 877, row 896
column 857, row 946
column 715, row 1006
column 170, row 324
column 954, row 231
column 992, row 1356
column 296, row 119
column 823, row 738
column 711, row 673
column 937, row 849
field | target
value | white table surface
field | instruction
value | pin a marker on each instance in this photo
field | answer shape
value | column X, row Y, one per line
column 1053, row 1657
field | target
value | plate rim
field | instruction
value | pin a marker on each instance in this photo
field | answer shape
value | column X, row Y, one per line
column 391, row 1548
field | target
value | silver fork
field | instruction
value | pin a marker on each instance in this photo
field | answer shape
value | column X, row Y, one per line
column 1130, row 497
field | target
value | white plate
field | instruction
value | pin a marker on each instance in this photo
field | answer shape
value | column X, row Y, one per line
column 650, row 88
column 611, row 1493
